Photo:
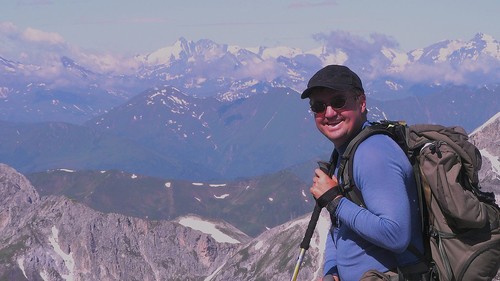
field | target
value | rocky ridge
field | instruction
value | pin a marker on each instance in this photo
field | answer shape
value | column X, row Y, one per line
column 54, row 238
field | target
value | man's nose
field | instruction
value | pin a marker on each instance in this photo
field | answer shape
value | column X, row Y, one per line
column 329, row 111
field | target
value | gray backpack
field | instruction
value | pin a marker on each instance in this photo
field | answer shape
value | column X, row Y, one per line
column 461, row 223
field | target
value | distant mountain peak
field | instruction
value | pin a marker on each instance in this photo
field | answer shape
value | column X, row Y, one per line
column 483, row 37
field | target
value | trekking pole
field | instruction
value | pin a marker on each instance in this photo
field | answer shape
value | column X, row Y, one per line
column 304, row 246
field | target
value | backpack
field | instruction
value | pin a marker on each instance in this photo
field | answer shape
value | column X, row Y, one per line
column 461, row 223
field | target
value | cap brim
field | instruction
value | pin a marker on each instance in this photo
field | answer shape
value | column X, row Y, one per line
column 306, row 93
column 309, row 90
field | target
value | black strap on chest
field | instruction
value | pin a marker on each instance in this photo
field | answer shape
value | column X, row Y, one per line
column 345, row 177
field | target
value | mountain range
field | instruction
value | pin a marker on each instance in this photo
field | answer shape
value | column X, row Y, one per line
column 59, row 237
column 167, row 133
column 63, row 89
column 225, row 110
column 207, row 111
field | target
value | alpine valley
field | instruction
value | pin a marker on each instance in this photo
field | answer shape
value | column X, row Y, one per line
column 194, row 163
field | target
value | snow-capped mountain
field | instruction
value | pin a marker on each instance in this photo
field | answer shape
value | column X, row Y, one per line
column 205, row 68
column 229, row 110
column 457, row 52
column 450, row 61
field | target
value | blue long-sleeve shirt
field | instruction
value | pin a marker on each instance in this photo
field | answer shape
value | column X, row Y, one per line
column 377, row 236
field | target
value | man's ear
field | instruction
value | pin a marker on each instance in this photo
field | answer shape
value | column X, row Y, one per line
column 362, row 102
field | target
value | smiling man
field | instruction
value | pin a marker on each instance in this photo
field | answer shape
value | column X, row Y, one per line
column 366, row 242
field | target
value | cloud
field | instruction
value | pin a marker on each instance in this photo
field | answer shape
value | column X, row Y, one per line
column 379, row 55
column 356, row 50
column 45, row 49
column 107, row 63
column 34, row 2
column 265, row 70
column 38, row 36
column 121, row 21
column 346, row 40
column 29, row 45
column 8, row 28
column 147, row 20
column 312, row 4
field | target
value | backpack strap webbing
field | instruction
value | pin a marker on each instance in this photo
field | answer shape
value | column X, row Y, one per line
column 353, row 194
column 347, row 184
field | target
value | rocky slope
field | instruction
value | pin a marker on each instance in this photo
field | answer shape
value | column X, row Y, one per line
column 54, row 238
column 487, row 139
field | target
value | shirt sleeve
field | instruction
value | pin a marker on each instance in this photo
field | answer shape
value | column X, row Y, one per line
column 381, row 172
column 330, row 265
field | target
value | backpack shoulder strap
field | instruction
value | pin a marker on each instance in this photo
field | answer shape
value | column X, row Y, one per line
column 348, row 187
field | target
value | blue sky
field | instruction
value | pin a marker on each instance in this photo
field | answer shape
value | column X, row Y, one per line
column 139, row 27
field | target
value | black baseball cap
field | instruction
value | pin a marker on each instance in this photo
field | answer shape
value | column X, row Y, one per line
column 336, row 77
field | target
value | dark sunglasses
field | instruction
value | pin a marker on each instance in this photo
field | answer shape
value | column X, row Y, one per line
column 337, row 102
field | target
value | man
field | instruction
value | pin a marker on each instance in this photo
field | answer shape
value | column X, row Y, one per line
column 367, row 239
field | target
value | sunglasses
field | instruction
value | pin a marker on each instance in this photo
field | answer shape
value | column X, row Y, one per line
column 336, row 103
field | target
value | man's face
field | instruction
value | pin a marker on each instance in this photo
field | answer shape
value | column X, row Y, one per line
column 338, row 124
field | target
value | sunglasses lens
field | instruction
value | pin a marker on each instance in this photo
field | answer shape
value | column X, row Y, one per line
column 338, row 102
column 318, row 107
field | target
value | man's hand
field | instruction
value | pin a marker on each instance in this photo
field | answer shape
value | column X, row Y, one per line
column 322, row 183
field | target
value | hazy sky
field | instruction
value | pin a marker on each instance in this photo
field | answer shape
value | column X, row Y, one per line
column 139, row 27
